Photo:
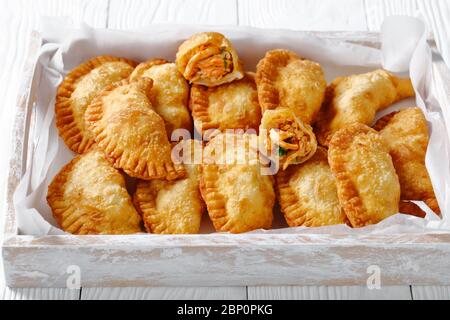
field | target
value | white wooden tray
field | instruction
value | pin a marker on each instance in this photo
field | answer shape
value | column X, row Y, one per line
column 222, row 260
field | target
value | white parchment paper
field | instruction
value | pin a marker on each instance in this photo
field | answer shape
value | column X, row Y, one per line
column 404, row 50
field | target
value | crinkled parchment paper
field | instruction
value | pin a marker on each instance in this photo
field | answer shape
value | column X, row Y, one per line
column 404, row 50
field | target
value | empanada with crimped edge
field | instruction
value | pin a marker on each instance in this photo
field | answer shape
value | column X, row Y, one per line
column 285, row 138
column 169, row 95
column 238, row 196
column 78, row 89
column 286, row 80
column 406, row 134
column 173, row 207
column 209, row 59
column 356, row 99
column 307, row 193
column 367, row 184
column 131, row 133
column 228, row 106
column 88, row 196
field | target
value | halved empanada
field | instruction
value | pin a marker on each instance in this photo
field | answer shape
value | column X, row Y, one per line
column 285, row 138
column 130, row 132
column 238, row 197
column 307, row 193
column 209, row 59
column 170, row 93
column 173, row 207
column 88, row 196
column 286, row 80
column 367, row 184
column 357, row 98
column 76, row 92
column 406, row 134
column 228, row 106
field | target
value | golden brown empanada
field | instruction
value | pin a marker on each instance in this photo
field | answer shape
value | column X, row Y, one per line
column 406, row 134
column 209, row 59
column 286, row 137
column 286, row 80
column 357, row 98
column 130, row 132
column 77, row 91
column 88, row 196
column 173, row 207
column 367, row 184
column 170, row 93
column 307, row 193
column 228, row 106
column 238, row 197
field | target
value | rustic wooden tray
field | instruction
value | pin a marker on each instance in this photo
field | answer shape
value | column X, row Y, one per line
column 202, row 260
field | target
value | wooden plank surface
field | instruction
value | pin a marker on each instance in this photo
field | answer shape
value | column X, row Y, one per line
column 328, row 293
column 19, row 17
column 165, row 293
column 128, row 14
column 430, row 292
column 39, row 294
column 324, row 15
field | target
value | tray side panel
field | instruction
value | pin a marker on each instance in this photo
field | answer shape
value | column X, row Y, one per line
column 20, row 134
column 227, row 265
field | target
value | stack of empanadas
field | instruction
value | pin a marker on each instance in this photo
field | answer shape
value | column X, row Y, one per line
column 126, row 120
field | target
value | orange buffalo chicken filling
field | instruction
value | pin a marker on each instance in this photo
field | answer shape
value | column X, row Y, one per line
column 213, row 64
column 293, row 144
column 286, row 137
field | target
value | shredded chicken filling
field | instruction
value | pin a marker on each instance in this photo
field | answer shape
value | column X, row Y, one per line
column 291, row 143
column 213, row 67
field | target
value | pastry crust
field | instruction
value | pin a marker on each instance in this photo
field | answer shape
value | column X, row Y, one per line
column 173, row 207
column 367, row 184
column 357, row 98
column 228, row 106
column 406, row 134
column 209, row 59
column 131, row 133
column 78, row 89
column 286, row 139
column 88, row 196
column 407, row 207
column 238, row 197
column 169, row 95
column 307, row 193
column 286, row 80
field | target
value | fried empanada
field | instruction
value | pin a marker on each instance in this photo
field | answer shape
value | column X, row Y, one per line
column 170, row 93
column 76, row 92
column 88, row 196
column 367, row 184
column 228, row 106
column 130, row 132
column 238, row 197
column 173, row 207
column 307, row 193
column 356, row 99
column 286, row 138
column 209, row 59
column 406, row 134
column 286, row 80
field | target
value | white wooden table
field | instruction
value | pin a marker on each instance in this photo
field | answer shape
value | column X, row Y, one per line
column 19, row 17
